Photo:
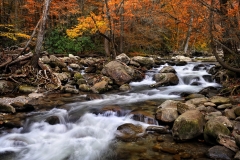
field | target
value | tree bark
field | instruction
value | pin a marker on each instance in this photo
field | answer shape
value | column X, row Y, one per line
column 121, row 27
column 188, row 34
column 41, row 33
column 114, row 54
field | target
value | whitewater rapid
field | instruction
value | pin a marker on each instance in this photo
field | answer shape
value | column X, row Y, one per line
column 91, row 136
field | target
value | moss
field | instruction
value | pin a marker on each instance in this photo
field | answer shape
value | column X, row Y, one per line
column 188, row 127
column 213, row 129
column 77, row 76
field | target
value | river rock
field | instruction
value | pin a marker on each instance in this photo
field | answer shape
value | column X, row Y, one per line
column 144, row 61
column 199, row 67
column 182, row 58
column 165, row 79
column 45, row 59
column 129, row 132
column 35, row 95
column 224, row 106
column 7, row 108
column 183, row 107
column 212, row 115
column 54, row 61
column 74, row 66
column 100, row 87
column 84, row 87
column 225, row 121
column 188, row 125
column 213, row 129
column 167, row 114
column 228, row 141
column 237, row 156
column 197, row 101
column 6, row 86
column 90, row 69
column 169, row 104
column 221, row 153
column 123, row 58
column 237, row 111
column 27, row 89
column 70, row 89
column 144, row 115
column 52, row 120
column 167, row 69
column 77, row 76
column 158, row 129
column 63, row 77
column 209, row 104
column 219, row 100
column 209, row 91
column 21, row 107
column 125, row 87
column 229, row 113
column 119, row 72
column 194, row 95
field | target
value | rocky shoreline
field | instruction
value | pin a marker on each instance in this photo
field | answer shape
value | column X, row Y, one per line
column 204, row 114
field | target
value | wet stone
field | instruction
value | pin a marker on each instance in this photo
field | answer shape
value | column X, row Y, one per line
column 169, row 150
column 220, row 152
column 52, row 120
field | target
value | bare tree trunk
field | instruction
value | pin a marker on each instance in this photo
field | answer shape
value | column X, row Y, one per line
column 188, row 34
column 107, row 47
column 41, row 33
column 111, row 30
column 121, row 27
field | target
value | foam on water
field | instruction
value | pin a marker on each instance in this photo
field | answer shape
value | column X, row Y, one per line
column 87, row 139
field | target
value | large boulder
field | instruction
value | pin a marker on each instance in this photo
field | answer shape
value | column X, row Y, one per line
column 213, row 129
column 165, row 79
column 123, row 58
column 167, row 111
column 167, row 114
column 120, row 72
column 144, row 61
column 188, row 125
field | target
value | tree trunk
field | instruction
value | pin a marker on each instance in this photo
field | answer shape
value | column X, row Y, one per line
column 107, row 45
column 188, row 34
column 113, row 49
column 41, row 33
column 121, row 27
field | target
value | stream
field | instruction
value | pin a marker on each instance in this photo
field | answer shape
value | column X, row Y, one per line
column 85, row 132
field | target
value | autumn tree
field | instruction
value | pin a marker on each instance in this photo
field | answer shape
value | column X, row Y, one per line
column 224, row 31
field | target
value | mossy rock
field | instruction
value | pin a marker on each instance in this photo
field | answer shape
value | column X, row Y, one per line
column 27, row 89
column 212, row 129
column 78, row 76
column 188, row 125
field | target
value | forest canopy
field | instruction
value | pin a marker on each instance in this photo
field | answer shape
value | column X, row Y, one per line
column 115, row 26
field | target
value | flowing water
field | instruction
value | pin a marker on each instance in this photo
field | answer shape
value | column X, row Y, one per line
column 84, row 135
